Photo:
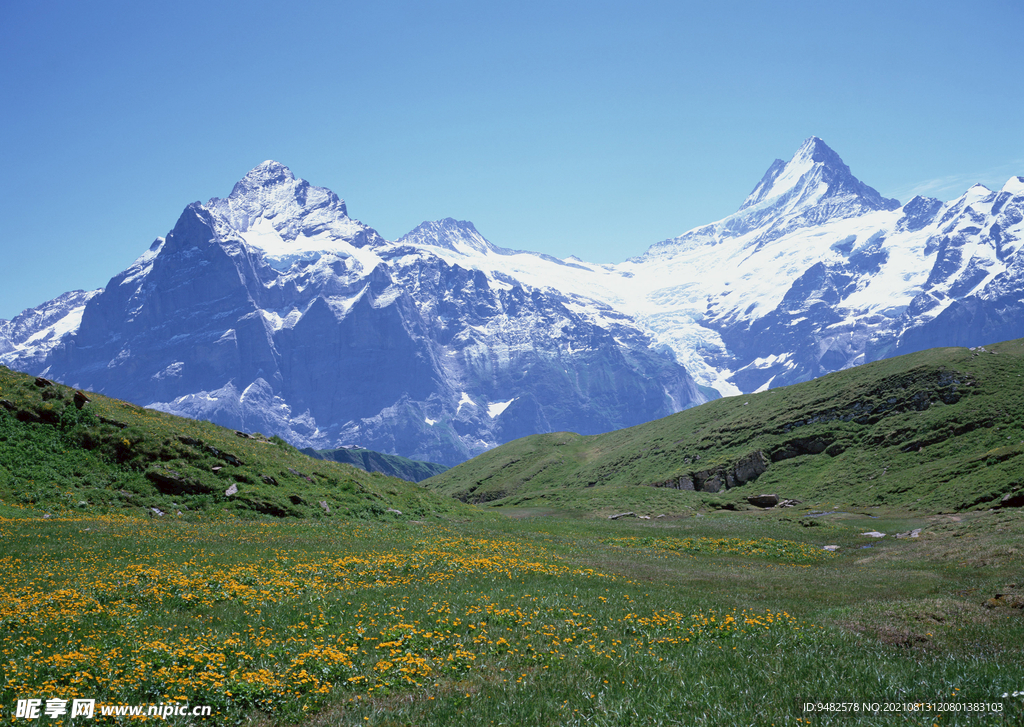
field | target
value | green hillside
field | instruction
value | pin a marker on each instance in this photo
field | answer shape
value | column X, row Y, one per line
column 389, row 464
column 939, row 430
column 109, row 455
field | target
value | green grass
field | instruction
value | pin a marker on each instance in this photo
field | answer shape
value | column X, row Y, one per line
column 733, row 618
column 940, row 430
column 112, row 456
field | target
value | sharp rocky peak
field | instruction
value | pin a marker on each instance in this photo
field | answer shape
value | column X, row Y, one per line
column 450, row 234
column 813, row 187
column 270, row 191
column 814, row 175
column 267, row 174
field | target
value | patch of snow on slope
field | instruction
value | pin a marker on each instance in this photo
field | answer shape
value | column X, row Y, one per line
column 280, row 253
column 463, row 401
column 495, row 410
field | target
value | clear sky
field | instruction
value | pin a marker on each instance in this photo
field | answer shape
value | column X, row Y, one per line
column 573, row 128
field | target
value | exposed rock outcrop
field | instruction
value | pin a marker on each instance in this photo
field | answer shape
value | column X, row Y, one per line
column 714, row 479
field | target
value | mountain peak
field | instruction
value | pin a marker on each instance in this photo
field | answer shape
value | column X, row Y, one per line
column 271, row 192
column 814, row 175
column 266, row 174
column 1014, row 185
column 820, row 152
column 450, row 234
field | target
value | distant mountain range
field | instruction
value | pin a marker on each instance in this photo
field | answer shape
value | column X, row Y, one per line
column 272, row 310
column 387, row 464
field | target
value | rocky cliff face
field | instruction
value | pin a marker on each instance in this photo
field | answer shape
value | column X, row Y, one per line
column 272, row 310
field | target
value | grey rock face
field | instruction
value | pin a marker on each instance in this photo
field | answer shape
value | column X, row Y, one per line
column 273, row 311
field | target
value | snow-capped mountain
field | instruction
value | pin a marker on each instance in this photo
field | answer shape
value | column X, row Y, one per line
column 29, row 337
column 273, row 310
column 817, row 272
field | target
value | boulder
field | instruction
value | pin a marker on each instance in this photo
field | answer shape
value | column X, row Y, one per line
column 874, row 534
column 232, row 460
column 622, row 515
column 799, row 446
column 170, row 482
column 325, row 506
column 231, row 490
column 763, row 500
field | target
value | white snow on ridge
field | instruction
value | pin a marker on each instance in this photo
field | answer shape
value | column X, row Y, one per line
column 38, row 330
column 1014, row 186
column 262, row 235
column 277, row 322
column 58, row 329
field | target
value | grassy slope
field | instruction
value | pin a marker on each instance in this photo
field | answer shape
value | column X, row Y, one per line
column 388, row 464
column 139, row 459
column 889, row 436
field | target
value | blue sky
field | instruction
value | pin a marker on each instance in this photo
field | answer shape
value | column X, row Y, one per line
column 588, row 128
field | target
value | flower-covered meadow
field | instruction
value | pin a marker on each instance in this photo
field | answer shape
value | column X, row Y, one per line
column 388, row 623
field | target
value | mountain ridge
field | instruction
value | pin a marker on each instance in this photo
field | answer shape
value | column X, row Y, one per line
column 272, row 310
column 236, row 313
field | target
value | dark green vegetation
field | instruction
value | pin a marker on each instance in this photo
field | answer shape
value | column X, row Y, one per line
column 110, row 455
column 387, row 464
column 732, row 618
column 939, row 431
